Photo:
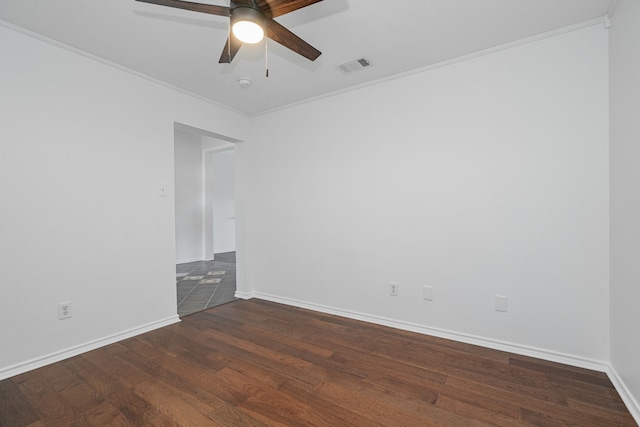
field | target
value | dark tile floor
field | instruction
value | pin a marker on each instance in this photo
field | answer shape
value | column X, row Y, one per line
column 205, row 284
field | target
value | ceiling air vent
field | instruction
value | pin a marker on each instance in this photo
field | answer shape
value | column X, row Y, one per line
column 355, row 65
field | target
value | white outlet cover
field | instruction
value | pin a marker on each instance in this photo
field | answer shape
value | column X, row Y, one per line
column 65, row 310
column 393, row 289
column 427, row 293
column 501, row 303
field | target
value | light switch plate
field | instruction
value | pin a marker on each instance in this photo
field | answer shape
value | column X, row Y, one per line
column 163, row 190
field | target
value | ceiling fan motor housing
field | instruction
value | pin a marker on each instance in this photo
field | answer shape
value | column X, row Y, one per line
column 251, row 21
column 248, row 24
column 247, row 13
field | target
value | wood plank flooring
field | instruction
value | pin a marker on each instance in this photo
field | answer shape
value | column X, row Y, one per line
column 256, row 363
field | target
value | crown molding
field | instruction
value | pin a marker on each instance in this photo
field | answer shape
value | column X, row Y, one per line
column 593, row 22
column 115, row 65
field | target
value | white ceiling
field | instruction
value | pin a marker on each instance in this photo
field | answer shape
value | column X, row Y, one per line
column 182, row 48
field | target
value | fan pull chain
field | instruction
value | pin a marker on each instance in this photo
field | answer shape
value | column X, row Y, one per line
column 229, row 42
column 266, row 57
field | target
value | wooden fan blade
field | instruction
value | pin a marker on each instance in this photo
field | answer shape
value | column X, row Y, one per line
column 228, row 54
column 196, row 7
column 286, row 38
column 275, row 8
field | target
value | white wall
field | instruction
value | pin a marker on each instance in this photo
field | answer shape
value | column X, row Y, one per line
column 205, row 197
column 485, row 177
column 209, row 147
column 224, row 207
column 625, row 195
column 83, row 151
column 188, row 197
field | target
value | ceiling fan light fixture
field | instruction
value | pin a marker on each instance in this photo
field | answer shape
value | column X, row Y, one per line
column 247, row 25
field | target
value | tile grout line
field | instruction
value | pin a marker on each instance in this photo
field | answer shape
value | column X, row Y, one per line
column 189, row 293
column 215, row 298
column 213, row 293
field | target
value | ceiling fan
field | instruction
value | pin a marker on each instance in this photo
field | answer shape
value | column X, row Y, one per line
column 251, row 20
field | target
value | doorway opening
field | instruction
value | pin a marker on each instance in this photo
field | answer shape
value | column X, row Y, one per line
column 204, row 168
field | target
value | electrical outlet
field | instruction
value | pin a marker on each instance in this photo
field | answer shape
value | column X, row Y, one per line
column 393, row 289
column 501, row 303
column 64, row 310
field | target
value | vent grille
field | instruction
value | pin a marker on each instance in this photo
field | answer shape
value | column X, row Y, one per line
column 355, row 65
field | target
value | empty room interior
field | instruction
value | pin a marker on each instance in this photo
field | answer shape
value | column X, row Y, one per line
column 435, row 219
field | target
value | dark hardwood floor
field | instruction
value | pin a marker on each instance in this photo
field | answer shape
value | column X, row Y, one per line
column 256, row 363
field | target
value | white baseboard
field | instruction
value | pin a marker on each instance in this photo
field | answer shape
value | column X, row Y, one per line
column 185, row 261
column 223, row 251
column 244, row 295
column 552, row 356
column 83, row 348
column 632, row 404
column 595, row 365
